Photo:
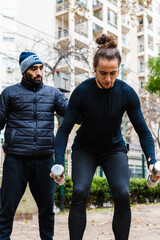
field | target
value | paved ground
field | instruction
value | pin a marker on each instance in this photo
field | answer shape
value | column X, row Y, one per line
column 145, row 225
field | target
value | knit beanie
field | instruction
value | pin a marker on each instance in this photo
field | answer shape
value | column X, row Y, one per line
column 28, row 59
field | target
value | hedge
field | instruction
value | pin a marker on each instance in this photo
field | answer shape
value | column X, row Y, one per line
column 100, row 192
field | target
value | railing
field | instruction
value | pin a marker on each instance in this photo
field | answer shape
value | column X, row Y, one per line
column 62, row 6
column 125, row 43
column 79, row 31
column 141, row 68
column 97, row 4
column 150, row 46
column 62, row 32
column 96, row 28
column 114, row 2
column 125, row 22
column 150, row 27
column 140, row 28
column 141, row 48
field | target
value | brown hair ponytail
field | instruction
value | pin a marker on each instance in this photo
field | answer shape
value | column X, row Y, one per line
column 107, row 49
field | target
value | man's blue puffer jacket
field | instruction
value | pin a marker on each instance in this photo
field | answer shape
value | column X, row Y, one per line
column 28, row 114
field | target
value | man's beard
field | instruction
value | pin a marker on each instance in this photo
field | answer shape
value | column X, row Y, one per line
column 29, row 78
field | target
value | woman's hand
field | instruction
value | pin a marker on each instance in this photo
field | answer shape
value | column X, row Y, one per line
column 154, row 177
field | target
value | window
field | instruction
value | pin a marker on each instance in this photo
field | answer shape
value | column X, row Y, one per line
column 61, row 1
column 82, row 2
column 62, row 32
column 8, row 63
column 112, row 17
column 98, row 14
column 96, row 27
column 8, row 37
column 141, row 66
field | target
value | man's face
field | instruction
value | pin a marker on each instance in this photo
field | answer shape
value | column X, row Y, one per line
column 34, row 74
column 106, row 73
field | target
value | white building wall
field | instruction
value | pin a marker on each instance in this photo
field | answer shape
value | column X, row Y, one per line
column 32, row 25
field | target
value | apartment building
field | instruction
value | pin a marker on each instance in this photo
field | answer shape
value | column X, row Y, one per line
column 71, row 28
column 24, row 26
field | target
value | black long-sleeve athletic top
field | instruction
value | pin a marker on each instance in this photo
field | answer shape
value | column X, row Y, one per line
column 101, row 111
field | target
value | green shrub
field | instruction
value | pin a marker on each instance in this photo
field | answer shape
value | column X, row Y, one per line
column 100, row 192
column 67, row 193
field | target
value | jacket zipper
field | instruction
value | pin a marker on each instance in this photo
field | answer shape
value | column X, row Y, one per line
column 34, row 121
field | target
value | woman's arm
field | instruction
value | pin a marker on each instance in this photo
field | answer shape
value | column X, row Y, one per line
column 69, row 120
column 136, row 117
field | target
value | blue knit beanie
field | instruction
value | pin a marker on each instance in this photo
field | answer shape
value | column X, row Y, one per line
column 28, row 59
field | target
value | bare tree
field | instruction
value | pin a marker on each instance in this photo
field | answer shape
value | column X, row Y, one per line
column 151, row 111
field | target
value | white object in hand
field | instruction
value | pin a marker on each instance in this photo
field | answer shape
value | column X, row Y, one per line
column 152, row 183
column 58, row 172
column 156, row 168
column 156, row 171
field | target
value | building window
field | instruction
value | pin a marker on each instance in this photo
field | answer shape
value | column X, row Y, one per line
column 96, row 28
column 112, row 17
column 8, row 63
column 82, row 2
column 97, row 9
column 61, row 1
column 8, row 37
column 141, row 67
column 98, row 14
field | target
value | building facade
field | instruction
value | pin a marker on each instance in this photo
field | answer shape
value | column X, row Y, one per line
column 63, row 34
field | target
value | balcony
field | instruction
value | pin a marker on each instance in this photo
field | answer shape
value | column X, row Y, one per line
column 61, row 7
column 62, row 81
column 80, row 31
column 81, row 41
column 125, row 45
column 80, row 66
column 62, row 36
column 150, row 46
column 141, row 69
column 125, row 25
column 97, row 5
column 81, row 25
column 150, row 27
column 97, row 30
column 141, row 48
column 114, row 2
column 97, row 9
column 62, row 32
column 140, row 28
column 126, row 68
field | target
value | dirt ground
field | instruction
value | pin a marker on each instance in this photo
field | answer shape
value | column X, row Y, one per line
column 145, row 225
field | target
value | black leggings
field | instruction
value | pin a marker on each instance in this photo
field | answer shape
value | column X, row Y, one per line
column 115, row 167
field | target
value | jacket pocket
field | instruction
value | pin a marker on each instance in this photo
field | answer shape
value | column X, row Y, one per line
column 9, row 136
column 13, row 132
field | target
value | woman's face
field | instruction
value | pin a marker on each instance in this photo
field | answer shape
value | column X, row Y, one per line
column 106, row 72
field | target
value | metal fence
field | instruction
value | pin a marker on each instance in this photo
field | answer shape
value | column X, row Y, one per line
column 136, row 166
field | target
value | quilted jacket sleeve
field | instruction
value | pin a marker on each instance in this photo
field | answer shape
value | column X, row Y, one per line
column 3, row 108
column 61, row 103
